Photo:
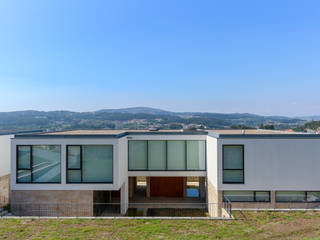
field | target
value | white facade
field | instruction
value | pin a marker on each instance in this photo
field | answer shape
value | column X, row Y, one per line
column 120, row 161
column 271, row 162
column 275, row 164
column 5, row 142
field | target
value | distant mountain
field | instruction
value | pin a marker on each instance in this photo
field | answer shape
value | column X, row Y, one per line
column 137, row 118
column 310, row 118
column 135, row 110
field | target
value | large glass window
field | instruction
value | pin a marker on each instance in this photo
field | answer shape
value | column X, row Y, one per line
column 90, row 164
column 196, row 155
column 39, row 164
column 176, row 155
column 161, row 155
column 247, row 196
column 233, row 163
column 138, row 154
column 157, row 155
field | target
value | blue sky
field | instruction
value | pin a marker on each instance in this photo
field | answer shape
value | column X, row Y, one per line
column 218, row 56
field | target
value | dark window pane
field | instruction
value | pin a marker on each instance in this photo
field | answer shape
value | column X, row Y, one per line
column 24, row 157
column 239, row 196
column 262, row 196
column 313, row 196
column 74, row 176
column 233, row 176
column 74, row 156
column 24, row 176
column 233, row 157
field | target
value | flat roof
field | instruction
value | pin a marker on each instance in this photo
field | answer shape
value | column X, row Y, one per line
column 250, row 131
column 218, row 133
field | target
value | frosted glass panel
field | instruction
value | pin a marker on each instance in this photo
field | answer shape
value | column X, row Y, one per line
column 176, row 155
column 74, row 176
column 233, row 157
column 46, row 161
column 288, row 196
column 232, row 176
column 196, row 155
column 24, row 176
column 24, row 156
column 157, row 155
column 138, row 155
column 239, row 196
column 74, row 157
column 97, row 163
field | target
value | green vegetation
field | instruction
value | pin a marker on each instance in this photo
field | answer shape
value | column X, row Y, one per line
column 267, row 126
column 241, row 126
column 249, row 225
column 313, row 125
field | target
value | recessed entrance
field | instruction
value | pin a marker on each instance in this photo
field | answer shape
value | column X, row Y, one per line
column 166, row 186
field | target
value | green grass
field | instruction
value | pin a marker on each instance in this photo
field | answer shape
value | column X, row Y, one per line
column 248, row 225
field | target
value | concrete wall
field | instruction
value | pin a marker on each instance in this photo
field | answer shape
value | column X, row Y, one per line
column 5, row 154
column 276, row 164
column 212, row 161
column 123, row 160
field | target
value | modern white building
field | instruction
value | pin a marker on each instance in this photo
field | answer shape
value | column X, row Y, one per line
column 5, row 159
column 179, row 169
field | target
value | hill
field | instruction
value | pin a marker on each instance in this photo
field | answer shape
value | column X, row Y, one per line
column 136, row 118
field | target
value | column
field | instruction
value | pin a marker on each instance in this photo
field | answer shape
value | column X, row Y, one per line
column 124, row 198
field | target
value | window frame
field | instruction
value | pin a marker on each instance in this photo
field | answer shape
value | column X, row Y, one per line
column 238, row 169
column 254, row 196
column 31, row 164
column 304, row 201
column 166, row 168
column 81, row 165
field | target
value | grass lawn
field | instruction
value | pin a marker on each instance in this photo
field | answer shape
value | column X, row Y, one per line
column 249, row 225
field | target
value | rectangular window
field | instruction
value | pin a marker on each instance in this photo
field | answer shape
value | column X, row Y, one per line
column 90, row 164
column 196, row 155
column 233, row 163
column 297, row 196
column 39, row 164
column 138, row 154
column 167, row 155
column 247, row 196
column 157, row 155
column 176, row 155
column 313, row 196
column 290, row 196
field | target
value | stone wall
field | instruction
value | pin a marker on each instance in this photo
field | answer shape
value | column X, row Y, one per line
column 4, row 189
column 51, row 203
column 214, row 205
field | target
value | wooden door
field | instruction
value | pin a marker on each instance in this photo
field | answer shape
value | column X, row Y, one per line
column 166, row 187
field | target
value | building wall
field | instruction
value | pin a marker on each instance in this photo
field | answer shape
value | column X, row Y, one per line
column 52, row 203
column 212, row 160
column 4, row 189
column 276, row 164
column 5, row 154
column 122, row 160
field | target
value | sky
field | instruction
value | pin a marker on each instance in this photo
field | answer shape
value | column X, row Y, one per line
column 253, row 56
